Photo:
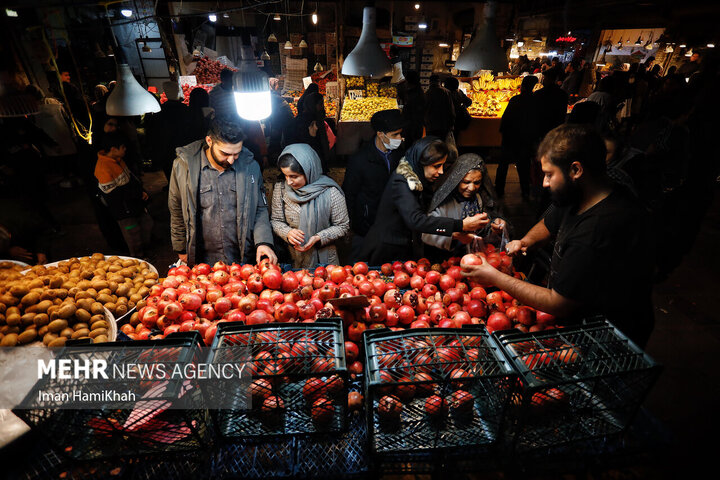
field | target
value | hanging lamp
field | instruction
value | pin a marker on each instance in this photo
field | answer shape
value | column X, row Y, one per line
column 251, row 88
column 288, row 45
column 484, row 51
column 129, row 98
column 265, row 55
column 318, row 67
column 638, row 42
column 272, row 38
column 367, row 59
column 303, row 44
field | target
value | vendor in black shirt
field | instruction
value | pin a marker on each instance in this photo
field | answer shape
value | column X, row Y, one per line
column 602, row 257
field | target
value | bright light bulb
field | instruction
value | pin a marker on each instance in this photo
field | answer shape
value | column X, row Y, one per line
column 226, row 15
column 520, row 43
column 417, row 6
column 212, row 17
column 126, row 12
column 288, row 45
column 443, row 44
column 682, row 45
column 276, row 17
column 314, row 18
column 711, row 45
column 422, row 25
column 253, row 105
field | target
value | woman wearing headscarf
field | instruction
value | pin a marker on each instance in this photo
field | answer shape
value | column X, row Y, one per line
column 466, row 191
column 401, row 216
column 308, row 208
column 309, row 127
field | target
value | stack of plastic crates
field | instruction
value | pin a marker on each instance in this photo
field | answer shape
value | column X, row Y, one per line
column 408, row 370
column 580, row 390
column 168, row 417
column 292, row 418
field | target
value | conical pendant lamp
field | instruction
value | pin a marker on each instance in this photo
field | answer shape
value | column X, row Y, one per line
column 129, row 98
column 484, row 52
column 367, row 59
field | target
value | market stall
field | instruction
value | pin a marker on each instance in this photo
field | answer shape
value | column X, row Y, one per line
column 363, row 97
column 490, row 98
column 327, row 394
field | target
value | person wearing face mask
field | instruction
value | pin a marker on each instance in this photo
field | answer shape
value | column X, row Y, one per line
column 401, row 216
column 368, row 171
column 602, row 261
column 308, row 208
column 465, row 191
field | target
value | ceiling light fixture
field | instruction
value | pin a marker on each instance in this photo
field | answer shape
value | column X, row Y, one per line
column 277, row 17
column 226, row 15
column 314, row 18
column 212, row 17
column 520, row 43
column 422, row 25
column 711, row 45
column 638, row 42
column 251, row 88
column 126, row 12
column 288, row 45
column 689, row 53
column 318, row 67
column 417, row 6
column 367, row 59
column 443, row 44
column 129, row 98
column 265, row 55
column 682, row 45
column 484, row 51
column 303, row 44
column 669, row 48
column 272, row 38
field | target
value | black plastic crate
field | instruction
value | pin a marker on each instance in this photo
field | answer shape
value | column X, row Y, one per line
column 463, row 366
column 302, row 364
column 168, row 417
column 578, row 383
column 310, row 456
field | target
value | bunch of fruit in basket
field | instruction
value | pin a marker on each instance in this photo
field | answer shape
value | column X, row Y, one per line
column 485, row 105
column 387, row 91
column 294, row 93
column 208, row 71
column 68, row 300
column 330, row 108
column 372, row 89
column 362, row 109
column 354, row 82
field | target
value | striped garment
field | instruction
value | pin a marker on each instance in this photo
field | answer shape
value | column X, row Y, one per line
column 111, row 173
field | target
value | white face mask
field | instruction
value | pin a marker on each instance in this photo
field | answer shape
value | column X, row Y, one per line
column 394, row 143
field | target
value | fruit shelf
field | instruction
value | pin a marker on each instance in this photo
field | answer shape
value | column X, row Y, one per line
column 169, row 417
column 577, row 383
column 299, row 378
column 434, row 389
column 319, row 456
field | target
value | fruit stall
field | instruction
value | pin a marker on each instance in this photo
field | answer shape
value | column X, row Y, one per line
column 363, row 97
column 407, row 367
column 490, row 98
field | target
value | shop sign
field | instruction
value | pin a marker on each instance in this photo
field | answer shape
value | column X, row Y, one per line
column 403, row 41
column 355, row 94
column 567, row 39
column 190, row 80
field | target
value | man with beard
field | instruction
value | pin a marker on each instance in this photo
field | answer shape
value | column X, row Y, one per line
column 602, row 258
column 218, row 208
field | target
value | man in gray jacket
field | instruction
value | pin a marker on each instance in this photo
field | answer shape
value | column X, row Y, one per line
column 218, row 208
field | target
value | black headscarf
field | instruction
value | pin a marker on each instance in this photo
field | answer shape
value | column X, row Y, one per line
column 461, row 167
column 312, row 88
column 414, row 154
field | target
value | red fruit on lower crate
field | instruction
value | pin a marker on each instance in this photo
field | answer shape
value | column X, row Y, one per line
column 334, row 384
column 436, row 406
column 260, row 389
column 462, row 401
column 322, row 364
column 389, row 408
column 405, row 390
column 313, row 388
column 323, row 410
column 427, row 386
column 355, row 331
column 273, row 404
column 456, row 374
column 355, row 401
column 259, row 317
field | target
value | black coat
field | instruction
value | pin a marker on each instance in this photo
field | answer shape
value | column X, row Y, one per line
column 550, row 108
column 365, row 179
column 402, row 218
